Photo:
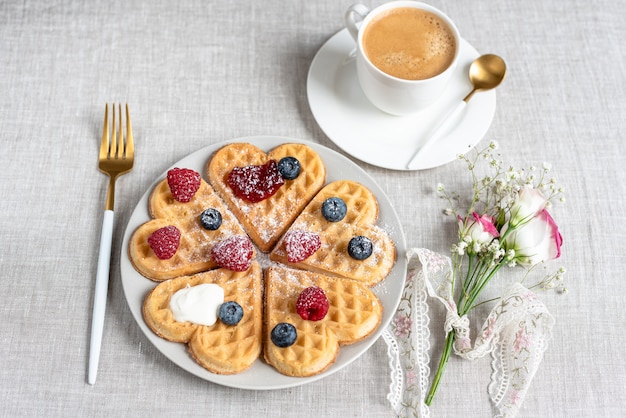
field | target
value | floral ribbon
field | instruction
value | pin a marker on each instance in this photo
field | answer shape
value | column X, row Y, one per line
column 516, row 333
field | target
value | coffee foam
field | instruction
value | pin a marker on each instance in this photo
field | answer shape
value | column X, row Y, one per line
column 409, row 43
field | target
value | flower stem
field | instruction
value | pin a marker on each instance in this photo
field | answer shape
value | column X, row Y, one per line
column 442, row 366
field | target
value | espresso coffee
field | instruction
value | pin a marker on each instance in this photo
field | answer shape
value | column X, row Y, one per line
column 409, row 43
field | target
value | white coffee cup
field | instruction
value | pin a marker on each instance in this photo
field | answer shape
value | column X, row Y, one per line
column 389, row 93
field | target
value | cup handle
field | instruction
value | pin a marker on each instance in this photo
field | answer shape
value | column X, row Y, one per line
column 349, row 18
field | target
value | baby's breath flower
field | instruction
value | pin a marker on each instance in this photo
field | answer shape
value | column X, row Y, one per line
column 494, row 144
column 458, row 249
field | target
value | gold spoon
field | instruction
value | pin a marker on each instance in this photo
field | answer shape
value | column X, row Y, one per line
column 485, row 73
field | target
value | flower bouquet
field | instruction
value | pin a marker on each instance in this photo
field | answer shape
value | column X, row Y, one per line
column 506, row 222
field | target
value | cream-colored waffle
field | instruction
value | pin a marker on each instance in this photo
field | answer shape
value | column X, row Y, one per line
column 194, row 252
column 354, row 313
column 333, row 258
column 267, row 220
column 220, row 348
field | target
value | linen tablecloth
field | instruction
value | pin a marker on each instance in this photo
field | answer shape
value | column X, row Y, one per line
column 196, row 73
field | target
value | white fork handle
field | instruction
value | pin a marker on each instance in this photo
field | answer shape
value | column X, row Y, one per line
column 100, row 295
column 443, row 124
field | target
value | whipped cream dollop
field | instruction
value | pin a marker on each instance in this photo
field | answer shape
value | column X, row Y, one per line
column 197, row 304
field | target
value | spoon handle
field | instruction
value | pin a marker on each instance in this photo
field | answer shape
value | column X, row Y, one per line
column 435, row 133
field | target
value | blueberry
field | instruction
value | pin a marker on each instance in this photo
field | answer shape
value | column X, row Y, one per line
column 230, row 313
column 211, row 219
column 289, row 168
column 360, row 247
column 334, row 209
column 284, row 335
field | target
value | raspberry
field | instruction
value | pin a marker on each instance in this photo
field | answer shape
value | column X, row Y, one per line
column 312, row 304
column 255, row 182
column 184, row 183
column 164, row 242
column 300, row 245
column 234, row 253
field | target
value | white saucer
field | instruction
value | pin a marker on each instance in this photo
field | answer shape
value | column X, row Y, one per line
column 356, row 126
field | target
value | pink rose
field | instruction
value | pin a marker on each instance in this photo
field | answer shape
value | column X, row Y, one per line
column 528, row 204
column 481, row 229
column 536, row 240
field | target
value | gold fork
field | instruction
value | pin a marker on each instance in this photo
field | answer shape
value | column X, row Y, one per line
column 117, row 155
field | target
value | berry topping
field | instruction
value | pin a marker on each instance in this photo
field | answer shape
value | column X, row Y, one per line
column 300, row 245
column 230, row 313
column 360, row 247
column 289, row 168
column 164, row 242
column 312, row 304
column 234, row 253
column 334, row 209
column 255, row 182
column 211, row 219
column 284, row 335
column 184, row 183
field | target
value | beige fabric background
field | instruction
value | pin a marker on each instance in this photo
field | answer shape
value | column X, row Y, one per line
column 197, row 73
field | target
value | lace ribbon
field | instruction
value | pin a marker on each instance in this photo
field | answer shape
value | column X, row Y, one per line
column 515, row 333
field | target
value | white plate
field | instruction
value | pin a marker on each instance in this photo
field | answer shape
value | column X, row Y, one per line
column 260, row 375
column 355, row 125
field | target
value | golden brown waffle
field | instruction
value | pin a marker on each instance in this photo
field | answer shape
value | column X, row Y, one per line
column 220, row 348
column 194, row 252
column 354, row 313
column 267, row 220
column 332, row 258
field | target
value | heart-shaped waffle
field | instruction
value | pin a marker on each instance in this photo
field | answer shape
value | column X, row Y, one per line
column 220, row 348
column 266, row 220
column 354, row 312
column 332, row 257
column 194, row 251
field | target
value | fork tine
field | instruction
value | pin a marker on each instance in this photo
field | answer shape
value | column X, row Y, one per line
column 113, row 148
column 104, row 143
column 120, row 134
column 130, row 144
